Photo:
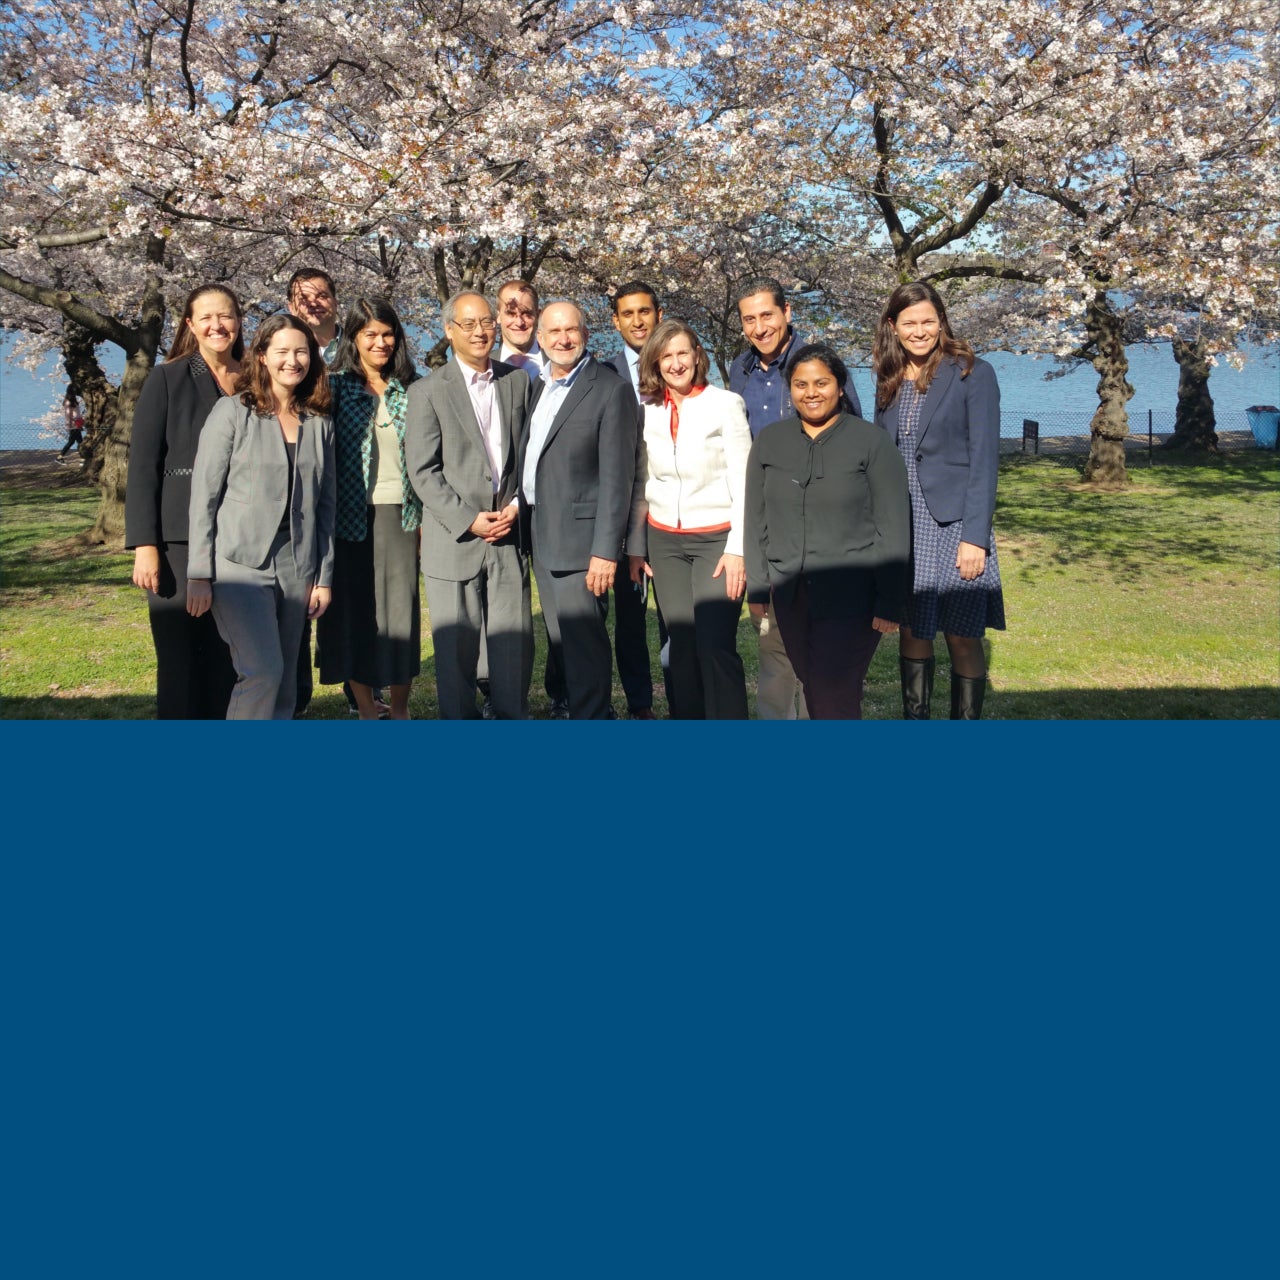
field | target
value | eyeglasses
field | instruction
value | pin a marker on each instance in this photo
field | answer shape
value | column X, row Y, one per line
column 514, row 311
column 469, row 326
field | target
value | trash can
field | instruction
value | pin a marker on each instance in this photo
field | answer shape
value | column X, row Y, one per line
column 1263, row 420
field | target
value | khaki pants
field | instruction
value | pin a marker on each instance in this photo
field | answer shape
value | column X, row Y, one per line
column 778, row 692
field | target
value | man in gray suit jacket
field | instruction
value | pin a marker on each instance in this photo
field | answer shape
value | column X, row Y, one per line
column 576, row 463
column 462, row 426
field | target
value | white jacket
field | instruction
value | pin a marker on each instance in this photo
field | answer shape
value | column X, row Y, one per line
column 697, row 481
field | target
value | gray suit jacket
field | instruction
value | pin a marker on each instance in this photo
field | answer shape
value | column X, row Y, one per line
column 448, row 463
column 241, row 485
column 585, row 471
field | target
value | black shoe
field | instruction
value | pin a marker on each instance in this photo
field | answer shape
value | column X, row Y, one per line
column 560, row 709
column 641, row 713
column 486, row 711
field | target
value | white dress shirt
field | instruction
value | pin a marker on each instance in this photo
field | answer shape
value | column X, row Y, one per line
column 531, row 361
column 480, row 388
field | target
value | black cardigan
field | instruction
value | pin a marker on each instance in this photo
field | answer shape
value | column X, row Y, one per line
column 834, row 511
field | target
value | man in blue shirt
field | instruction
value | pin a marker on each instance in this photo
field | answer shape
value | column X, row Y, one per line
column 758, row 375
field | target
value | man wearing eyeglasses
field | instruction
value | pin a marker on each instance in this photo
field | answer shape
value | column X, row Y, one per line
column 577, row 460
column 462, row 426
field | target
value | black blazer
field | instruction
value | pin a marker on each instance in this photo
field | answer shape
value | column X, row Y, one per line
column 174, row 403
column 585, row 471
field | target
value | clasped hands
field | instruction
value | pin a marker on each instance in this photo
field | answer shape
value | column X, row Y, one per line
column 493, row 526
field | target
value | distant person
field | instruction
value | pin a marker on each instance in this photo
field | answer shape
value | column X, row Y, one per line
column 687, row 520
column 73, row 420
column 828, row 539
column 577, row 461
column 758, row 375
column 263, row 504
column 370, row 638
column 941, row 407
column 464, row 423
column 194, row 675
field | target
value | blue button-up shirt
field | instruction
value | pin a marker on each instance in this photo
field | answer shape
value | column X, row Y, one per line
column 554, row 391
column 765, row 390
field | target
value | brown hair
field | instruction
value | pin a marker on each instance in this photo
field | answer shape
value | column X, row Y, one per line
column 254, row 383
column 889, row 359
column 184, row 341
column 518, row 286
column 651, row 383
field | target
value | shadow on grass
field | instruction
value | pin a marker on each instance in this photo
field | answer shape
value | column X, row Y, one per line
column 1210, row 512
column 1176, row 703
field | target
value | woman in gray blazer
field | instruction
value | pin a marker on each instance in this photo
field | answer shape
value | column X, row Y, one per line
column 941, row 405
column 262, row 516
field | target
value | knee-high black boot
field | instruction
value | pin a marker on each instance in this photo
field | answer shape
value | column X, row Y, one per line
column 967, row 693
column 917, row 686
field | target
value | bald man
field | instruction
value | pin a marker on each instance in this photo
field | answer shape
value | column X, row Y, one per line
column 576, row 464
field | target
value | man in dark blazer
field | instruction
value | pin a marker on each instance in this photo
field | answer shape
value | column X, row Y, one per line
column 577, row 461
column 636, row 314
column 462, row 426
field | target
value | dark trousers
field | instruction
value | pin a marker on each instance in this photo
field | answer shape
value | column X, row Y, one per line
column 706, row 677
column 630, row 645
column 577, row 627
column 830, row 656
column 194, row 674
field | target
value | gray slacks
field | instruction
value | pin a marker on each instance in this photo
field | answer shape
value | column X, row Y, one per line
column 496, row 607
column 260, row 614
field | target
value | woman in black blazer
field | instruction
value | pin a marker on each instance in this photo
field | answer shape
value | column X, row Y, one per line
column 941, row 405
column 194, row 675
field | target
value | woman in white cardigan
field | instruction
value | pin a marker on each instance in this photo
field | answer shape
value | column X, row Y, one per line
column 686, row 521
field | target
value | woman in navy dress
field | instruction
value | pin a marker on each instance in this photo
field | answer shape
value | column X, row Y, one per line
column 941, row 405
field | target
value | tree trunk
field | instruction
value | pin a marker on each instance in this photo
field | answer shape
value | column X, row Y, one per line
column 1110, row 425
column 114, row 449
column 1194, row 428
column 93, row 388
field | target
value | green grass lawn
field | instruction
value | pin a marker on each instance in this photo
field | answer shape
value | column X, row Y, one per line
column 1158, row 602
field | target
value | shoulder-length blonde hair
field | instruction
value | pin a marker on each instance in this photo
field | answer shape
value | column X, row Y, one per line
column 254, row 383
column 651, row 383
column 889, row 359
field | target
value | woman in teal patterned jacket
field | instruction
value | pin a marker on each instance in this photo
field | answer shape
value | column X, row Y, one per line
column 371, row 635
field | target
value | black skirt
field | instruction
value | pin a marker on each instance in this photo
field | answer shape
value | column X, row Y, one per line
column 372, row 631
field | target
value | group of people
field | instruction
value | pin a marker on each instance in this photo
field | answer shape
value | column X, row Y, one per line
column 314, row 477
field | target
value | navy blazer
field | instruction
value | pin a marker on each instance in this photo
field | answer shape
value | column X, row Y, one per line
column 171, row 409
column 584, row 472
column 957, row 447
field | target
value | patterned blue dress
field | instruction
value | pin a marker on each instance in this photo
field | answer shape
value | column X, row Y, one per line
column 941, row 600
